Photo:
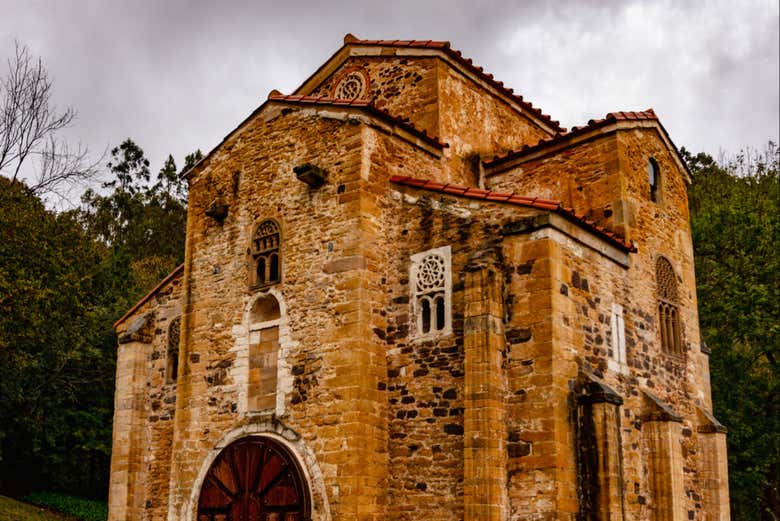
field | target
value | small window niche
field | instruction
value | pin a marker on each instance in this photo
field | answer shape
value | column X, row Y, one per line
column 617, row 355
column 431, row 284
column 264, row 323
column 654, row 179
column 266, row 265
column 172, row 356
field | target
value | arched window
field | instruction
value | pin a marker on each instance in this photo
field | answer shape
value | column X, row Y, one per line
column 668, row 307
column 172, row 358
column 264, row 320
column 654, row 178
column 266, row 265
column 431, row 286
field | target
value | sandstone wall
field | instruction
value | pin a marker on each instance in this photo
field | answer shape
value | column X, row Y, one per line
column 144, row 410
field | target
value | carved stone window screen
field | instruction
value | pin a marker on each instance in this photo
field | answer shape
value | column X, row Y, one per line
column 352, row 85
column 172, row 356
column 431, row 283
column 266, row 260
column 668, row 307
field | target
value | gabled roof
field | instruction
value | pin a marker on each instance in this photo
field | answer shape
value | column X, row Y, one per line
column 365, row 104
column 445, row 50
column 511, row 198
column 276, row 97
column 172, row 275
column 499, row 164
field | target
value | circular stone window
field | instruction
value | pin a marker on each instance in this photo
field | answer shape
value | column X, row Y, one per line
column 352, row 85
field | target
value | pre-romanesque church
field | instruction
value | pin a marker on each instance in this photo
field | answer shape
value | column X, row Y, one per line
column 409, row 294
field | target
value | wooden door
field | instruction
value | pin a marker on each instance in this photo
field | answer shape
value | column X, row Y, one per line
column 254, row 479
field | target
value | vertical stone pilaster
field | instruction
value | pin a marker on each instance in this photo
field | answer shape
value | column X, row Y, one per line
column 714, row 468
column 661, row 429
column 126, row 489
column 484, row 436
column 601, row 465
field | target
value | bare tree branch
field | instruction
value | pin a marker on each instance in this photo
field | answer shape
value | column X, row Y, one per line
column 28, row 127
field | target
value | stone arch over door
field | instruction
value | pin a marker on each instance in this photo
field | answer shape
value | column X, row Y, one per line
column 297, row 450
column 255, row 478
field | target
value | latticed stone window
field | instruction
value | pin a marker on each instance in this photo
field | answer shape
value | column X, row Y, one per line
column 431, row 283
column 352, row 85
column 172, row 358
column 668, row 307
column 266, row 261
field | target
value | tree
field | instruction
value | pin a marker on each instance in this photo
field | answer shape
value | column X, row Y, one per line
column 29, row 125
column 57, row 376
column 143, row 225
column 735, row 221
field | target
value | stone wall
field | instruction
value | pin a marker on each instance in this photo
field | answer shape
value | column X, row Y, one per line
column 144, row 409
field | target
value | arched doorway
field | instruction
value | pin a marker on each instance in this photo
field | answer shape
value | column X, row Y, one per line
column 254, row 479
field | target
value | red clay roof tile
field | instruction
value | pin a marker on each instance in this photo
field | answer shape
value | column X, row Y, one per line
column 511, row 198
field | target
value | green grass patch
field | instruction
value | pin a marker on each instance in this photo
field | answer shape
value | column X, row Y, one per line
column 12, row 510
column 80, row 508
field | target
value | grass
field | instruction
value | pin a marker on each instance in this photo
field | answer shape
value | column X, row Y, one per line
column 12, row 510
column 79, row 508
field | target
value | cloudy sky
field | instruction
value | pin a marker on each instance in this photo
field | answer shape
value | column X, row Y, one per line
column 176, row 76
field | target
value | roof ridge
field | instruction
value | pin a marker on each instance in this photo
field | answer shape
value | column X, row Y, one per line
column 512, row 198
column 446, row 46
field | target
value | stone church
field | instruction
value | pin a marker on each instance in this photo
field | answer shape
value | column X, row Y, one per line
column 409, row 294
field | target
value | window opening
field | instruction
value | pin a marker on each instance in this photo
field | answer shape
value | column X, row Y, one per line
column 654, row 177
column 425, row 310
column 265, row 254
column 440, row 313
column 172, row 359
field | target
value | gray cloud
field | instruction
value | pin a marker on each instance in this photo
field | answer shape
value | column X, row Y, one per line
column 176, row 75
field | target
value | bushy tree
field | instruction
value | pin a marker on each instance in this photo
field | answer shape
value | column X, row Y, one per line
column 735, row 220
column 56, row 385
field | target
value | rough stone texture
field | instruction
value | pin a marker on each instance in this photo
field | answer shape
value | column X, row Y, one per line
column 486, row 421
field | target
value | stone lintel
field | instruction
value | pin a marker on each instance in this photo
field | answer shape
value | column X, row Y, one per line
column 656, row 410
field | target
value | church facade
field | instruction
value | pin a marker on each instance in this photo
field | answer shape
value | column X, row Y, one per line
column 409, row 294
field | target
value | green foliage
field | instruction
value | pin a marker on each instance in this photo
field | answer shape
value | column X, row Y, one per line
column 52, row 369
column 80, row 508
column 64, row 279
column 735, row 220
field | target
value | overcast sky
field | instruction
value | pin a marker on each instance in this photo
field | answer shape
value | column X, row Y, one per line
column 176, row 76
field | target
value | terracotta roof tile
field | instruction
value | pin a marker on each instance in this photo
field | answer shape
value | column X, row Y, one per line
column 612, row 117
column 467, row 62
column 325, row 100
column 511, row 198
